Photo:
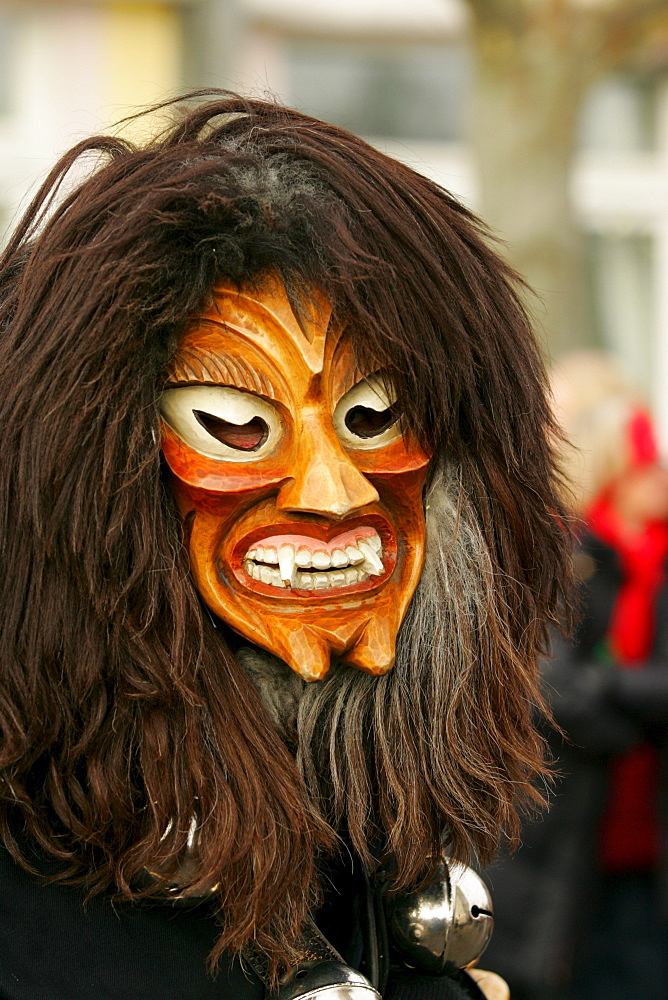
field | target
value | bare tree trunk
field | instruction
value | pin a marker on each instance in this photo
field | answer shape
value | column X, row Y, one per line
column 529, row 83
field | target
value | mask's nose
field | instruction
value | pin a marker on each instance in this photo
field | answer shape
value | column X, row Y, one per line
column 326, row 480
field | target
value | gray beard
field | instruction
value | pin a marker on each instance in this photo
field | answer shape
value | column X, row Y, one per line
column 280, row 688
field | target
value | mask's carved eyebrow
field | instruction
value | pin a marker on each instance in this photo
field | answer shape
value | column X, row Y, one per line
column 351, row 377
column 353, row 372
column 193, row 365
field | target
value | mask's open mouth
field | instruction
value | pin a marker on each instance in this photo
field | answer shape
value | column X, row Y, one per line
column 302, row 562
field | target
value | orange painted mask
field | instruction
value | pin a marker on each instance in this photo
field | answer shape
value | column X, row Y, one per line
column 300, row 497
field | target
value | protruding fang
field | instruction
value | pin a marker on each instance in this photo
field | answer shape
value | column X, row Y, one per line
column 354, row 554
column 286, row 564
column 373, row 564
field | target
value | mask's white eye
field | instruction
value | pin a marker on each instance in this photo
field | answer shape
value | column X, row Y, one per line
column 366, row 417
column 223, row 423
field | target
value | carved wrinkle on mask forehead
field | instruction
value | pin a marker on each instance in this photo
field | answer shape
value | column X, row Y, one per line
column 192, row 364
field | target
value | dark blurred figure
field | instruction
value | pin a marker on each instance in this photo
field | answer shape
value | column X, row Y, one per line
column 581, row 909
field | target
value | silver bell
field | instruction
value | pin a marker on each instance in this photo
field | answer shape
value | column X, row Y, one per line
column 444, row 926
column 326, row 980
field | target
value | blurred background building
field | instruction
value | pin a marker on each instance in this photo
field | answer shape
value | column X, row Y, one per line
column 551, row 119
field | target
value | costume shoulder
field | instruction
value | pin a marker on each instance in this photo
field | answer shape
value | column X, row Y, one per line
column 54, row 947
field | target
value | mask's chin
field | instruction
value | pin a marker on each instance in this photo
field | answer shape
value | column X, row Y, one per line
column 306, row 622
column 358, row 629
column 309, row 647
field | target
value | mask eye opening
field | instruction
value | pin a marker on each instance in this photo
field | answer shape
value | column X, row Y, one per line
column 365, row 422
column 249, row 437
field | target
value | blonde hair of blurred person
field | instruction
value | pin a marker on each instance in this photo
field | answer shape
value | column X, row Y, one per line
column 609, row 446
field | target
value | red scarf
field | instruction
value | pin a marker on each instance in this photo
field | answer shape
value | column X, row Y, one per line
column 630, row 829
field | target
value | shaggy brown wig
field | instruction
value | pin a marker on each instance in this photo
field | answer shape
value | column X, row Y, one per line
column 124, row 715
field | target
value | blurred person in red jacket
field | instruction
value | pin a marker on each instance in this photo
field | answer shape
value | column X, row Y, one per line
column 581, row 909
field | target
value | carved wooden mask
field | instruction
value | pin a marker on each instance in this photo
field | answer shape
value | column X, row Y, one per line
column 300, row 497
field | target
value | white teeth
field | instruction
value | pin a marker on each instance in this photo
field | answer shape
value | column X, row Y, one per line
column 306, row 581
column 373, row 564
column 375, row 543
column 303, row 557
column 321, row 559
column 286, row 564
column 366, row 555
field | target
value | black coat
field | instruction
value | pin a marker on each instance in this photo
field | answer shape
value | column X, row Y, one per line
column 542, row 892
column 56, row 946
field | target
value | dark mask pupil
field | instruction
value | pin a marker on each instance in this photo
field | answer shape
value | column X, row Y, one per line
column 365, row 422
column 243, row 437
